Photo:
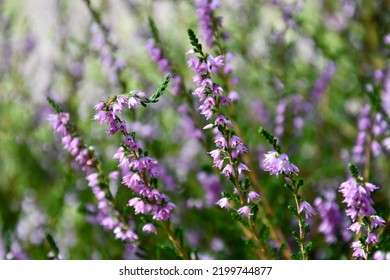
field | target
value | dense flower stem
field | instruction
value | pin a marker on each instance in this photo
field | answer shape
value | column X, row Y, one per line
column 229, row 146
column 277, row 163
column 143, row 171
column 226, row 83
column 109, row 214
column 366, row 223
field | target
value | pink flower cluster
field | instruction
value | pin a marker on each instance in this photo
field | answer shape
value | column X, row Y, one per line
column 106, row 216
column 229, row 146
column 140, row 171
column 277, row 164
column 71, row 143
column 357, row 197
column 207, row 22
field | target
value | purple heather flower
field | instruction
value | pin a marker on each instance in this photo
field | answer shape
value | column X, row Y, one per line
column 207, row 20
column 377, row 221
column 380, row 255
column 331, row 217
column 358, row 251
column 149, row 228
column 223, row 203
column 242, row 167
column 211, row 185
column 372, row 238
column 228, row 170
column 215, row 64
column 307, row 208
column 359, row 207
column 357, row 197
column 218, row 158
column 253, row 196
column 138, row 169
column 244, row 211
column 104, row 215
column 276, row 164
column 355, row 227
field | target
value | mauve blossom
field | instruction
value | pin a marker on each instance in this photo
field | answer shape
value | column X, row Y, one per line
column 276, row 164
column 358, row 251
column 223, row 203
column 307, row 208
column 149, row 228
column 244, row 211
column 253, row 196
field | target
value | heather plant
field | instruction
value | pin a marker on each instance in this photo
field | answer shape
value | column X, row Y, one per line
column 130, row 129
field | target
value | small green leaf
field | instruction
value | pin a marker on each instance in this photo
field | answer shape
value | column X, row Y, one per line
column 307, row 228
column 354, row 170
column 195, row 42
column 154, row 98
column 309, row 247
column 297, row 256
column 292, row 210
column 55, row 106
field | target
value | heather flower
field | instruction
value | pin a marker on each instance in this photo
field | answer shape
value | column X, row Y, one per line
column 149, row 228
column 223, row 203
column 377, row 221
column 139, row 168
column 244, row 211
column 207, row 21
column 358, row 251
column 373, row 133
column 372, row 238
column 228, row 170
column 276, row 164
column 242, row 167
column 356, row 195
column 105, row 216
column 331, row 218
column 212, row 186
column 253, row 197
column 307, row 208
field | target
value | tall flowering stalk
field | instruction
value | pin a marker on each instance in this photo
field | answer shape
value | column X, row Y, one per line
column 366, row 223
column 209, row 23
column 141, row 172
column 277, row 163
column 229, row 147
column 108, row 214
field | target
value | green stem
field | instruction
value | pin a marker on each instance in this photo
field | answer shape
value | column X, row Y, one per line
column 300, row 225
column 178, row 245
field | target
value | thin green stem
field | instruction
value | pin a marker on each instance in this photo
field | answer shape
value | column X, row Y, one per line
column 176, row 243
